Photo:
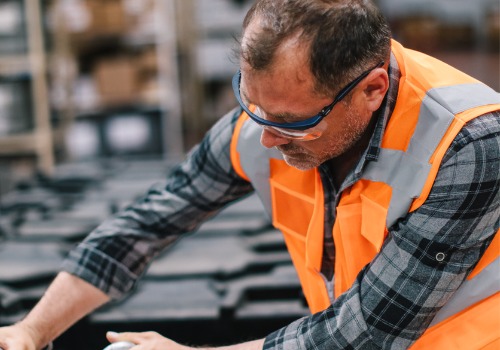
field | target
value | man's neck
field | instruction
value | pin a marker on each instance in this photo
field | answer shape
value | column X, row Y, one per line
column 341, row 165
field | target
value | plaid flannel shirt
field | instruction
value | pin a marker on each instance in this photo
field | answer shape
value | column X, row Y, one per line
column 394, row 298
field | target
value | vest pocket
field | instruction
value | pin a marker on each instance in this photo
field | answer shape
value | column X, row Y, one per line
column 291, row 211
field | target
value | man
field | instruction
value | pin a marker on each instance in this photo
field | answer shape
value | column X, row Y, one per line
column 388, row 197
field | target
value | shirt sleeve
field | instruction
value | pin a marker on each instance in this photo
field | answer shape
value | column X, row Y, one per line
column 116, row 253
column 396, row 296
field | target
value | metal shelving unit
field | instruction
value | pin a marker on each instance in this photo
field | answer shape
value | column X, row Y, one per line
column 36, row 142
column 161, row 39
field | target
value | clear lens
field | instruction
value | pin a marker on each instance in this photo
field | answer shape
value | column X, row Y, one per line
column 300, row 135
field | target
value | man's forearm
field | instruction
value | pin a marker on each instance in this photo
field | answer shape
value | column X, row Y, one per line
column 67, row 300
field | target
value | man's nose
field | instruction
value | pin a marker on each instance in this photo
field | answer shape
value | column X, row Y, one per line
column 270, row 140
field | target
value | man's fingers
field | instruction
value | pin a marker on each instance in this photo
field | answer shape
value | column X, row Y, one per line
column 124, row 336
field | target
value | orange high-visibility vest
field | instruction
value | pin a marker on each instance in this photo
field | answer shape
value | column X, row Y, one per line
column 434, row 102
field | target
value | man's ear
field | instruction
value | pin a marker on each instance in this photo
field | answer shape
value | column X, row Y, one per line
column 375, row 86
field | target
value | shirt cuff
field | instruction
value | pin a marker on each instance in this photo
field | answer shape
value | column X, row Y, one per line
column 100, row 270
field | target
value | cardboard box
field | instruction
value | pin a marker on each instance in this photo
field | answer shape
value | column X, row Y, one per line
column 107, row 17
column 116, row 80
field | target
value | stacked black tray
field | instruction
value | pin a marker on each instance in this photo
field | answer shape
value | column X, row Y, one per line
column 230, row 281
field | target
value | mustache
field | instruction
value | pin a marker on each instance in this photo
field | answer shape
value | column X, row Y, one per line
column 289, row 149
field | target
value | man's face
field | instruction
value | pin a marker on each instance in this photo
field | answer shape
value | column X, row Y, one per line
column 285, row 93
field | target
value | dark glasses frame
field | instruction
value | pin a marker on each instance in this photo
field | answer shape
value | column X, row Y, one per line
column 306, row 123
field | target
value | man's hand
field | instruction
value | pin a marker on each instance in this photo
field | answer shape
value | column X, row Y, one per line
column 146, row 341
column 16, row 337
column 154, row 341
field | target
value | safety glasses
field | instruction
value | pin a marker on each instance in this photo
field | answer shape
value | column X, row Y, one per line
column 303, row 130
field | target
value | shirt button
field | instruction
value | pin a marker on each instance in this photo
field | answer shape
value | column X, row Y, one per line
column 440, row 256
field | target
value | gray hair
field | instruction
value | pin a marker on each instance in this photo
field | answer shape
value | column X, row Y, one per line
column 344, row 37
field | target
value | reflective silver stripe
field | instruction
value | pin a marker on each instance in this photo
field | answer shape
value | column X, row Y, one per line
column 472, row 291
column 438, row 109
column 407, row 172
column 254, row 160
column 459, row 98
column 404, row 174
column 433, row 121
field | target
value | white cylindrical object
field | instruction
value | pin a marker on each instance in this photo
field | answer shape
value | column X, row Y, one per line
column 121, row 345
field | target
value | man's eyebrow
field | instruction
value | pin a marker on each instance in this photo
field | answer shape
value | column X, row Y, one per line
column 289, row 116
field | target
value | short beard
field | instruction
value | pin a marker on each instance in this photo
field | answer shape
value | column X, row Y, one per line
column 333, row 147
column 301, row 165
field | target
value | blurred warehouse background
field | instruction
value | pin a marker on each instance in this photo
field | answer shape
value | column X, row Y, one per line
column 101, row 98
column 83, row 80
column 88, row 79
